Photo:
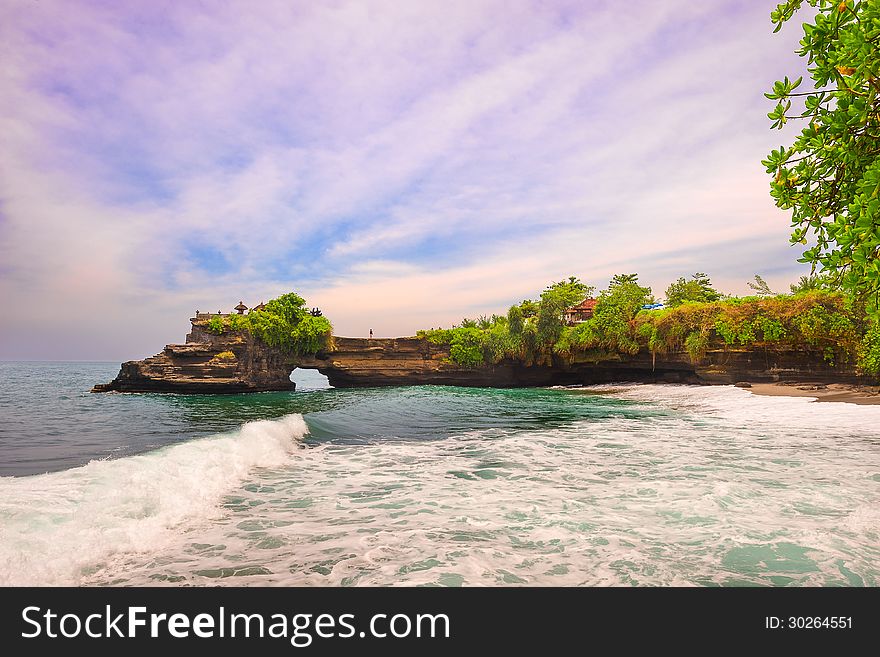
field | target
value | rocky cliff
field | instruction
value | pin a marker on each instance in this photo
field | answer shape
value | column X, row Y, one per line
column 233, row 363
column 236, row 365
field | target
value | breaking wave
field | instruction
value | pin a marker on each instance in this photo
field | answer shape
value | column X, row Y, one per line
column 57, row 528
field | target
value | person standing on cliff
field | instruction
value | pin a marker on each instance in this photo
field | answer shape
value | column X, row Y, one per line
column 371, row 334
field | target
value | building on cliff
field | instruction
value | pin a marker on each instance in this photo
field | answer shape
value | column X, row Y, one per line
column 581, row 312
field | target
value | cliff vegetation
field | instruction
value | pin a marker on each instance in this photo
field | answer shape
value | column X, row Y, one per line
column 695, row 318
column 284, row 322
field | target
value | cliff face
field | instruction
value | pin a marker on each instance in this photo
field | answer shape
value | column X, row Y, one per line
column 207, row 363
column 411, row 361
column 233, row 363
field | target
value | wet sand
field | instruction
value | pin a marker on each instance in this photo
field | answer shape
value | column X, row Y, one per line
column 831, row 392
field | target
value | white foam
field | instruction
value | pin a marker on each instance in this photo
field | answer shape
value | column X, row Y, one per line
column 692, row 485
column 56, row 528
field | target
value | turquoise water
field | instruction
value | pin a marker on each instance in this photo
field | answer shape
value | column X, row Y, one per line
column 607, row 485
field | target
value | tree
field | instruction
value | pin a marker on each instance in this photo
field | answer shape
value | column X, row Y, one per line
column 830, row 176
column 569, row 292
column 285, row 322
column 812, row 282
column 515, row 320
column 622, row 300
column 529, row 308
column 554, row 301
column 612, row 321
column 759, row 285
column 623, row 279
column 626, row 294
column 698, row 289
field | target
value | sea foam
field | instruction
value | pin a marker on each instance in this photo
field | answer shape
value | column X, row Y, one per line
column 57, row 528
column 658, row 485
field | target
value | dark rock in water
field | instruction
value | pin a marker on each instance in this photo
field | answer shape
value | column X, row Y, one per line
column 238, row 362
column 239, row 365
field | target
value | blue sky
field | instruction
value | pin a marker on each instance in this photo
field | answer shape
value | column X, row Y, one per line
column 399, row 164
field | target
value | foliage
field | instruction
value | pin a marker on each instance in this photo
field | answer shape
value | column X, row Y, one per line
column 699, row 288
column 225, row 355
column 529, row 308
column 611, row 326
column 528, row 331
column 515, row 320
column 284, row 322
column 820, row 320
column 830, row 175
column 499, row 343
column 625, row 292
column 823, row 321
column 466, row 347
column 813, row 282
column 869, row 352
column 555, row 300
column 437, row 336
column 759, row 285
column 229, row 323
column 696, row 344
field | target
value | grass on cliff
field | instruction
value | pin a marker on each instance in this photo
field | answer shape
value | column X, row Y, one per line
column 824, row 321
column 284, row 322
column 819, row 321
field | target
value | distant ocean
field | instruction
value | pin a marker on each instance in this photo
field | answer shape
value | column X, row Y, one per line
column 607, row 485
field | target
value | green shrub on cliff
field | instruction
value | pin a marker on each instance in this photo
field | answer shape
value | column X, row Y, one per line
column 466, row 347
column 611, row 326
column 818, row 320
column 437, row 336
column 527, row 332
column 284, row 322
column 230, row 323
column 515, row 321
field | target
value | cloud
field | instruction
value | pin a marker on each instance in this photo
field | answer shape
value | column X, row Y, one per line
column 402, row 164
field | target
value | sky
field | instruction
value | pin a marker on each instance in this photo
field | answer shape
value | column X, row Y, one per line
column 401, row 165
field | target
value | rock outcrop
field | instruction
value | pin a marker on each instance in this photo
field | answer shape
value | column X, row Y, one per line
column 237, row 364
column 234, row 363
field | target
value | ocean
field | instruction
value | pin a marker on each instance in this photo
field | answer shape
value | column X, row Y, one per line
column 632, row 485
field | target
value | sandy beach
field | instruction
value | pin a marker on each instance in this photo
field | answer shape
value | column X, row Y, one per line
column 830, row 392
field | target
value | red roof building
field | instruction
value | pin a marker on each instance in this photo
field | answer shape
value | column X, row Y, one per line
column 581, row 312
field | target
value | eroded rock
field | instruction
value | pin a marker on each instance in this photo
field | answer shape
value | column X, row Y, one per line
column 235, row 362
